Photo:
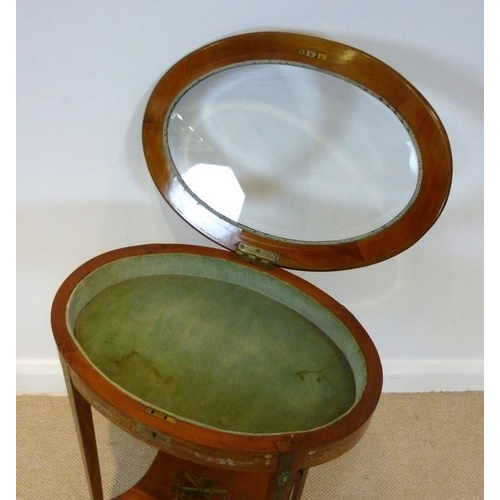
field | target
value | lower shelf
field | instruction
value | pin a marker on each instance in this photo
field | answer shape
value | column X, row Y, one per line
column 171, row 478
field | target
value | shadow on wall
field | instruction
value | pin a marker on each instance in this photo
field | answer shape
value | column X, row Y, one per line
column 460, row 87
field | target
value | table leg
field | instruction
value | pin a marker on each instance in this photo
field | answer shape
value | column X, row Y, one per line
column 286, row 483
column 84, row 423
column 299, row 485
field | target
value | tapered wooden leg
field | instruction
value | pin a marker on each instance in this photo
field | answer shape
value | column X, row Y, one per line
column 299, row 485
column 286, row 483
column 82, row 416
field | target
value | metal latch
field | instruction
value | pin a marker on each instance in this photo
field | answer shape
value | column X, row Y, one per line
column 159, row 414
column 256, row 255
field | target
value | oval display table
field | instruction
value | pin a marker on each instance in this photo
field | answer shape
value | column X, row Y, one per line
column 289, row 151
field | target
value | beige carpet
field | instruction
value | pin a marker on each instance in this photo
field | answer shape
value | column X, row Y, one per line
column 419, row 447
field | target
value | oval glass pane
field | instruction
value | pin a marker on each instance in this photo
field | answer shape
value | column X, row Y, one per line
column 293, row 152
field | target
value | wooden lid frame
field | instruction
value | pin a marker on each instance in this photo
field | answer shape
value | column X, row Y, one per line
column 351, row 64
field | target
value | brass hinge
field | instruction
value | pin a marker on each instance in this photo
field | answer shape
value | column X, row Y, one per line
column 256, row 255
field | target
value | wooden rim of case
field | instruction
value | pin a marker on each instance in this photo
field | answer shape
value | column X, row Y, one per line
column 352, row 64
column 195, row 442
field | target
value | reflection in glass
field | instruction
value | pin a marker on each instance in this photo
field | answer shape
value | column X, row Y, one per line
column 293, row 152
column 218, row 187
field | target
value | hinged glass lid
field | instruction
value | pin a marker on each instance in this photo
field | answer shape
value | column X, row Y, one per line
column 302, row 147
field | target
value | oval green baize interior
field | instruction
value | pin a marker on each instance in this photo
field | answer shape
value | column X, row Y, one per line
column 216, row 353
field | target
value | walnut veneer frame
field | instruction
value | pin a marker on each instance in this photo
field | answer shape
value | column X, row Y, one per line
column 349, row 63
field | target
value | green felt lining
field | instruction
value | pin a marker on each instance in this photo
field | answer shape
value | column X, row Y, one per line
column 216, row 343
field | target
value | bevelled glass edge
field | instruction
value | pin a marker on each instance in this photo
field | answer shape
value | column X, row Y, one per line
column 263, row 234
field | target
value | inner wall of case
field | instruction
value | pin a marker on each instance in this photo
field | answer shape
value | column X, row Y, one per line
column 178, row 264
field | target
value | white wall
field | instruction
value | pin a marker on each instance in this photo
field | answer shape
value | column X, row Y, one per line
column 84, row 73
